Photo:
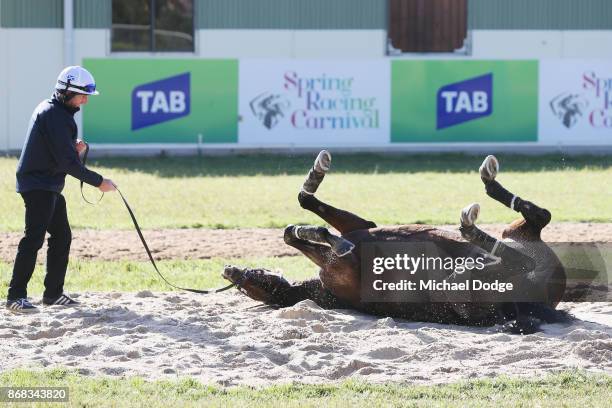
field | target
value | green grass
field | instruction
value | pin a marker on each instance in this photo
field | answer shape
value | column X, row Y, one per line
column 566, row 389
column 128, row 276
column 260, row 191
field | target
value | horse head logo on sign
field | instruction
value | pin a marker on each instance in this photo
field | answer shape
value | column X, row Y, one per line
column 160, row 101
column 269, row 108
column 569, row 108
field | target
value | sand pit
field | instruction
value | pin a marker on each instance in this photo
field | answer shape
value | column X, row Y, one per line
column 230, row 339
column 222, row 339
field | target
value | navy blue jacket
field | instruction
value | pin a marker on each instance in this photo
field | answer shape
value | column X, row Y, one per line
column 49, row 151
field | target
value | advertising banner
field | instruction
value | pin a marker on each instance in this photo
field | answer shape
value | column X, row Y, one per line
column 576, row 102
column 314, row 103
column 464, row 101
column 162, row 101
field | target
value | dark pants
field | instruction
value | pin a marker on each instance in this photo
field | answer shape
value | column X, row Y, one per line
column 45, row 211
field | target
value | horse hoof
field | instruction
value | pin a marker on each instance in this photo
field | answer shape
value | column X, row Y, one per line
column 341, row 246
column 522, row 325
column 288, row 234
column 315, row 176
column 469, row 215
column 322, row 163
column 489, row 168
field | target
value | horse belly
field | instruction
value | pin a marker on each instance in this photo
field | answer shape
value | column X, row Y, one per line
column 344, row 283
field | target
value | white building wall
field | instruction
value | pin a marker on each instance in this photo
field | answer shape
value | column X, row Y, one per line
column 30, row 59
column 89, row 43
column 540, row 44
column 314, row 44
column 339, row 44
column 587, row 44
column 291, row 43
column 29, row 64
column 245, row 43
column 34, row 58
column 515, row 44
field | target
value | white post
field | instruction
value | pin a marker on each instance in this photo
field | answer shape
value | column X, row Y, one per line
column 68, row 32
column 5, row 142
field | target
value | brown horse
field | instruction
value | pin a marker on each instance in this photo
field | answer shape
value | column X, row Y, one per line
column 522, row 255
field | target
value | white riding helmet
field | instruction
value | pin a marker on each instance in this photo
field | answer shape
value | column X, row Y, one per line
column 76, row 79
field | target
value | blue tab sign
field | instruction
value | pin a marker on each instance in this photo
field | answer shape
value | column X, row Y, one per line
column 161, row 101
column 464, row 101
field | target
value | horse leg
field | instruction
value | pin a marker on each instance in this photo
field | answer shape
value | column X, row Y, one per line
column 318, row 244
column 534, row 215
column 339, row 265
column 341, row 220
column 514, row 261
column 515, row 317
column 272, row 289
column 320, row 235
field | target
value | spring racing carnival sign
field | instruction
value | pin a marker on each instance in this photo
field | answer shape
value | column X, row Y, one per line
column 314, row 103
column 163, row 101
column 286, row 103
column 576, row 102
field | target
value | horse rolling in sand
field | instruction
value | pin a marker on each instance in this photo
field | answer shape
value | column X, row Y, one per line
column 522, row 255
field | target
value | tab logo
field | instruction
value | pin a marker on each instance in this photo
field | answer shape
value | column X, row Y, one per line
column 464, row 101
column 161, row 101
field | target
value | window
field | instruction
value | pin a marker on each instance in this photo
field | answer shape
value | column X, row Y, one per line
column 427, row 25
column 152, row 25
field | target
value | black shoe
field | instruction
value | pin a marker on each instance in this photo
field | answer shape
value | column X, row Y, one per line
column 62, row 300
column 20, row 306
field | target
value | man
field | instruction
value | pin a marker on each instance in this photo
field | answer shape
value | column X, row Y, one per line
column 51, row 150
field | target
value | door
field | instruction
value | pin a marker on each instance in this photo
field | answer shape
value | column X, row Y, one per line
column 427, row 25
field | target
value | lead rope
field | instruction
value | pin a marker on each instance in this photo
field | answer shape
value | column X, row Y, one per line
column 144, row 242
column 84, row 161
